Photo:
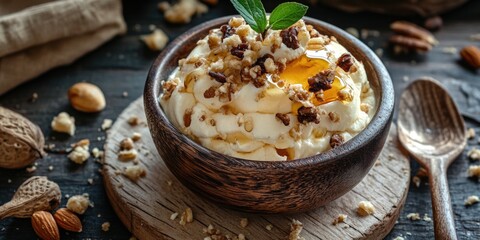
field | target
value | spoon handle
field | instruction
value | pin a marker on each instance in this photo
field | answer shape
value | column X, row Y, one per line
column 444, row 223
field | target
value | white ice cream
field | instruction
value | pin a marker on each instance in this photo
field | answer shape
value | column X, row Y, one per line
column 237, row 116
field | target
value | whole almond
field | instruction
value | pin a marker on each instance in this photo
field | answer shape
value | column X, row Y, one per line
column 68, row 220
column 44, row 225
column 86, row 97
column 471, row 55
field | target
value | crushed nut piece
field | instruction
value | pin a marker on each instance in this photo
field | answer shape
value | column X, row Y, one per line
column 155, row 41
column 106, row 226
column 136, row 136
column 413, row 216
column 365, row 208
column 336, row 140
column 80, row 152
column 173, row 216
column 134, row 172
column 239, row 50
column 290, row 37
column 78, row 203
column 333, row 117
column 168, row 88
column 183, row 11
column 187, row 217
column 322, row 81
column 341, row 218
column 269, row 227
column 295, row 230
column 126, row 144
column 472, row 200
column 426, row 218
column 219, row 77
column 284, row 118
column 134, row 121
column 474, row 154
column 106, row 124
column 187, row 117
column 209, row 93
column 126, row 155
column 308, row 114
column 474, row 171
column 64, row 123
column 471, row 133
column 31, row 169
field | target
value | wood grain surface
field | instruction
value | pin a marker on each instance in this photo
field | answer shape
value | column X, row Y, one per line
column 145, row 206
column 122, row 65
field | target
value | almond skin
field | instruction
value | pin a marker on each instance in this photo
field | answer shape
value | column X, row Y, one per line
column 86, row 97
column 68, row 220
column 44, row 225
column 471, row 55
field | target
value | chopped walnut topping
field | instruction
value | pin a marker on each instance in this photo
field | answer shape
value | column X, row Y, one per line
column 308, row 114
column 345, row 94
column 209, row 93
column 341, row 218
column 295, row 230
column 239, row 50
column 187, row 217
column 312, row 31
column 227, row 31
column 284, row 118
column 336, row 140
column 365, row 208
column 472, row 200
column 322, row 81
column 333, row 117
column 187, row 117
column 290, row 37
column 413, row 216
column 345, row 62
column 296, row 93
column 168, row 87
column 219, row 77
column 261, row 62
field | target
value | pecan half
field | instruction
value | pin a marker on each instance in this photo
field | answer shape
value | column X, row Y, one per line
column 471, row 55
column 290, row 37
column 410, row 43
column 308, row 114
column 227, row 31
column 322, row 81
column 336, row 140
column 219, row 77
column 209, row 93
column 239, row 50
column 345, row 62
column 284, row 118
column 413, row 30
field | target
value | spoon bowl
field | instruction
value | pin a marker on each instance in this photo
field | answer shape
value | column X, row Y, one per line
column 431, row 128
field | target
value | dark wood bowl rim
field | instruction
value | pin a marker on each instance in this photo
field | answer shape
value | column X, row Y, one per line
column 380, row 119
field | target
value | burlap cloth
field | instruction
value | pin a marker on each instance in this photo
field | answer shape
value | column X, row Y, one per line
column 37, row 35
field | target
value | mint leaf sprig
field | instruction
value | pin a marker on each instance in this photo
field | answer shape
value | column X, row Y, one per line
column 282, row 17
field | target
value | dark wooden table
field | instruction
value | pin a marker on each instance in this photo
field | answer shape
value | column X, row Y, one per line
column 121, row 66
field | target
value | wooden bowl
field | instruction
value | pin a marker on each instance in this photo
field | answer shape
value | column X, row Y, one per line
column 268, row 187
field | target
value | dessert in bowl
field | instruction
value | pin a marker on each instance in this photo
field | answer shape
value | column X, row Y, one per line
column 283, row 121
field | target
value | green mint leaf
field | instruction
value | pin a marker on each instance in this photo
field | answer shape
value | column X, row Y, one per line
column 253, row 12
column 286, row 14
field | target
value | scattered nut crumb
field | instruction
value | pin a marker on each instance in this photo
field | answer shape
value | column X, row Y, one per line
column 416, row 181
column 341, row 218
column 173, row 216
column 187, row 217
column 90, row 181
column 269, row 227
column 155, row 41
column 134, row 172
column 50, row 168
column 472, row 200
column 106, row 226
column 426, row 218
column 365, row 208
column 33, row 98
column 474, row 171
column 474, row 154
column 31, row 169
column 471, row 133
column 78, row 203
column 80, row 152
column 97, row 153
column 413, row 216
column 243, row 222
column 134, row 121
column 107, row 124
column 295, row 230
column 127, row 155
column 64, row 123
column 126, row 144
column 136, row 136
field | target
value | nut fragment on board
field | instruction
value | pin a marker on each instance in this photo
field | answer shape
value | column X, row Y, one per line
column 45, row 226
column 107, row 124
column 78, row 203
column 134, row 121
column 474, row 171
column 64, row 123
column 295, row 230
column 86, row 97
column 187, row 217
column 472, row 200
column 365, row 208
column 67, row 220
column 339, row 219
column 22, row 141
column 155, row 41
column 80, row 152
column 106, row 226
column 127, row 155
column 474, row 154
column 413, row 216
column 134, row 172
column 471, row 55
column 471, row 133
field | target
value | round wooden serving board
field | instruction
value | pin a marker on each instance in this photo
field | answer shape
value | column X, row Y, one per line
column 145, row 206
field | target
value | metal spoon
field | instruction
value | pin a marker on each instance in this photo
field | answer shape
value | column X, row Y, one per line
column 431, row 128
